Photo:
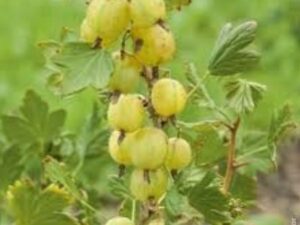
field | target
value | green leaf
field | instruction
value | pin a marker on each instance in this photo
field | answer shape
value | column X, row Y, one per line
column 91, row 144
column 35, row 124
column 35, row 110
column 17, row 129
column 210, row 201
column 95, row 134
column 231, row 54
column 197, row 88
column 31, row 206
column 119, row 188
column 175, row 204
column 253, row 152
column 76, row 66
column 188, row 178
column 10, row 166
column 243, row 187
column 243, row 96
column 281, row 123
column 208, row 146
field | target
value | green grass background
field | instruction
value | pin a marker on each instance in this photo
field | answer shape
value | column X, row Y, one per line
column 24, row 23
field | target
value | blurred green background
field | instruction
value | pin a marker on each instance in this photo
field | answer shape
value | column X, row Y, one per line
column 24, row 24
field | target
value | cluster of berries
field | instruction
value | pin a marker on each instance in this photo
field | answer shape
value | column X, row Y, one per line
column 133, row 142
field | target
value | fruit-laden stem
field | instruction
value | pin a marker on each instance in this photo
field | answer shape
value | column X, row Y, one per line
column 231, row 156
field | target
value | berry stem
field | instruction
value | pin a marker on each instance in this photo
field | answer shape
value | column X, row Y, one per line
column 231, row 166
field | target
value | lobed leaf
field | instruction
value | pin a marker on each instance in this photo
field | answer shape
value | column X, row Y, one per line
column 253, row 152
column 243, row 187
column 208, row 147
column 210, row 201
column 231, row 54
column 75, row 66
column 175, row 204
column 119, row 188
column 243, row 96
column 35, row 124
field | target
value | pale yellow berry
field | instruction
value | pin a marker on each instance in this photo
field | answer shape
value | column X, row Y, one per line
column 116, row 150
column 145, row 13
column 86, row 32
column 154, row 45
column 179, row 154
column 168, row 97
column 127, row 113
column 108, row 19
column 126, row 75
column 148, row 148
column 151, row 188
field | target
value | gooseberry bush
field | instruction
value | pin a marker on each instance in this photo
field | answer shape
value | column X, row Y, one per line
column 169, row 168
